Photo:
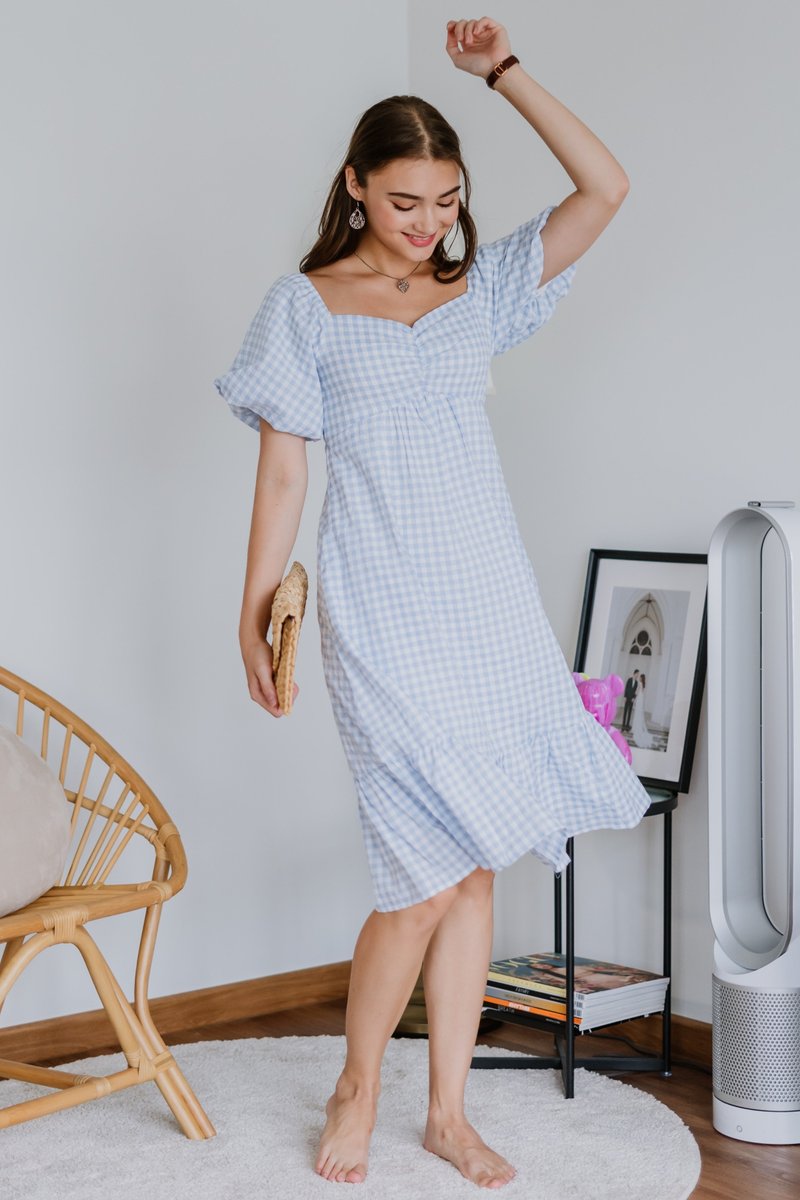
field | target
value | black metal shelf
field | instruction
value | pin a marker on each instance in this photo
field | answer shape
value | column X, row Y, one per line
column 663, row 804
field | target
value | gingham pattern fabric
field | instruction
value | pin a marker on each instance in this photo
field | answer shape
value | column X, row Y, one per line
column 467, row 739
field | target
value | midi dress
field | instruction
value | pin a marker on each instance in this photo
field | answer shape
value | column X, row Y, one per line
column 463, row 729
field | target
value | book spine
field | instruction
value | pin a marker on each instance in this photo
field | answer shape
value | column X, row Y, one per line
column 493, row 1003
column 586, row 1022
column 531, row 997
column 513, row 981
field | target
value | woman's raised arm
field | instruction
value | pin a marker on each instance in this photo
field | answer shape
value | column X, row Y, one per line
column 601, row 184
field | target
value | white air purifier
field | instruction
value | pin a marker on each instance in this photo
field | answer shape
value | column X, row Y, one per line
column 754, row 820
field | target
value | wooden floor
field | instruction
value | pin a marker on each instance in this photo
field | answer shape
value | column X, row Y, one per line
column 731, row 1169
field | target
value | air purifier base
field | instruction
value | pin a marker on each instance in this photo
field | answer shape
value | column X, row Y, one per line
column 756, row 1125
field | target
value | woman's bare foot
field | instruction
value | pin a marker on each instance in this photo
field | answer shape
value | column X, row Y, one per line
column 461, row 1145
column 344, row 1144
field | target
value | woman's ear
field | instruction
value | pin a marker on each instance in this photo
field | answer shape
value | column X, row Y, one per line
column 353, row 186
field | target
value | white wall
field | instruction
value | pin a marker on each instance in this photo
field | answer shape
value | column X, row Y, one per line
column 662, row 394
column 165, row 162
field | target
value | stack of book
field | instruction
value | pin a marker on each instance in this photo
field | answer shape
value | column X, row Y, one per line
column 604, row 992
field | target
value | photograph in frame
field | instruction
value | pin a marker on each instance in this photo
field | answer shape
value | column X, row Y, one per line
column 644, row 619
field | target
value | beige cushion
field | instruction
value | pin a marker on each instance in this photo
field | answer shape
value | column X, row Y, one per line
column 34, row 824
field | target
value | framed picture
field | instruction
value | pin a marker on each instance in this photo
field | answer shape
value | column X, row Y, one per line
column 644, row 619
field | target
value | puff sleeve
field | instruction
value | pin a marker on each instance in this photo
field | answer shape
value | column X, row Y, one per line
column 511, row 268
column 274, row 375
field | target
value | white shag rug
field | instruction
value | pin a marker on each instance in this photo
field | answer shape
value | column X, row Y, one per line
column 265, row 1097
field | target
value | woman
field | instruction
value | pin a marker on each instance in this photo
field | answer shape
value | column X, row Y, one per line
column 642, row 736
column 466, row 736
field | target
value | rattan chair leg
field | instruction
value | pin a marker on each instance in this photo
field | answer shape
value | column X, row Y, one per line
column 171, row 1074
column 46, row 1076
column 103, row 980
column 133, row 1038
column 179, row 1096
column 10, row 950
column 143, row 963
column 142, row 1007
column 92, row 1089
column 11, row 970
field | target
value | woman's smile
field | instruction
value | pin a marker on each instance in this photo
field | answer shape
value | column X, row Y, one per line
column 420, row 241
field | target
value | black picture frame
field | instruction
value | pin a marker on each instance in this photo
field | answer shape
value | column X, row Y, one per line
column 640, row 605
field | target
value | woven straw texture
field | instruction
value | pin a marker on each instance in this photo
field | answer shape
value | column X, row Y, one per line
column 288, row 607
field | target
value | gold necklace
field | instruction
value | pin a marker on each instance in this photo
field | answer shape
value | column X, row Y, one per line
column 402, row 283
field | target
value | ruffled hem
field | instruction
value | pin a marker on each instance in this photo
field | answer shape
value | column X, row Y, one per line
column 430, row 818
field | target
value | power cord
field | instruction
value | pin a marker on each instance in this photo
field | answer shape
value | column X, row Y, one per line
column 611, row 1037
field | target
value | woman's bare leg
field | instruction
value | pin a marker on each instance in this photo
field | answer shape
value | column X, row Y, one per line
column 454, row 975
column 386, row 965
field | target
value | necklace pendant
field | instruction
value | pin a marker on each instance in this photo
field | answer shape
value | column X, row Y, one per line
column 403, row 285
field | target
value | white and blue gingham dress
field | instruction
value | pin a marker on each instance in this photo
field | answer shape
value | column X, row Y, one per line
column 467, row 739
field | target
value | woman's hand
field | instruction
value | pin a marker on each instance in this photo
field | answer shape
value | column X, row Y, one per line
column 485, row 43
column 257, row 657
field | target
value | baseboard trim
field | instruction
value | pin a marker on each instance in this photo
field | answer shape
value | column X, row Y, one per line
column 86, row 1033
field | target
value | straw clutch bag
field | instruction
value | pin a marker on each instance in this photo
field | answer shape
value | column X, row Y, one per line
column 288, row 606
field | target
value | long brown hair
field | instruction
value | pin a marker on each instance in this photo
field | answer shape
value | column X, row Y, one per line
column 397, row 127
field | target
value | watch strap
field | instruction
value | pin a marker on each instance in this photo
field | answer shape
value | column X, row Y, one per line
column 500, row 69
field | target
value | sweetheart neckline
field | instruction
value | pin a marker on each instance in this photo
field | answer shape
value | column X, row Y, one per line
column 467, row 293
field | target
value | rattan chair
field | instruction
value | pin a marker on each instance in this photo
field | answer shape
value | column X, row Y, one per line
column 115, row 816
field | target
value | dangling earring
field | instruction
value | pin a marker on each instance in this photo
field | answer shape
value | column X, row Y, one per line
column 357, row 218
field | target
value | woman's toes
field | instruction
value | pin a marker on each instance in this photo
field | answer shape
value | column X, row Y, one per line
column 341, row 1174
